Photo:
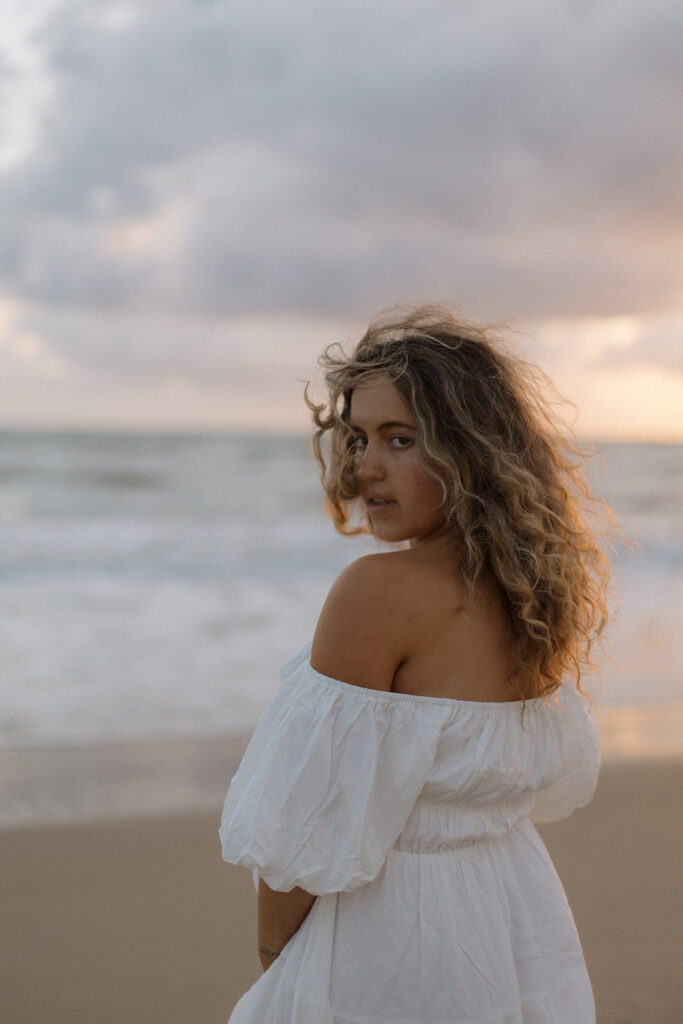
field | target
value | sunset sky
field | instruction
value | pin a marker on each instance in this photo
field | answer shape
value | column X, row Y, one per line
column 197, row 196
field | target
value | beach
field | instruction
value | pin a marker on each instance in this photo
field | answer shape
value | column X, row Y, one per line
column 152, row 587
column 138, row 920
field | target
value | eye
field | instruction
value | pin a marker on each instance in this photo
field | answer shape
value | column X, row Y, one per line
column 357, row 444
column 400, row 441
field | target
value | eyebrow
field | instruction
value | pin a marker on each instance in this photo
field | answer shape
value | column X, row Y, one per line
column 388, row 425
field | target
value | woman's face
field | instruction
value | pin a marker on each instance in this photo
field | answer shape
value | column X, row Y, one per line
column 403, row 500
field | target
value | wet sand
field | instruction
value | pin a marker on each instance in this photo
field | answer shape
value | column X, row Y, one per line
column 139, row 921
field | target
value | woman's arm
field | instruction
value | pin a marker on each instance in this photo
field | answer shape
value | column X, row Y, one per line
column 280, row 914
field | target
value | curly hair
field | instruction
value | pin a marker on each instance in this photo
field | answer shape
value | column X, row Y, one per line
column 513, row 481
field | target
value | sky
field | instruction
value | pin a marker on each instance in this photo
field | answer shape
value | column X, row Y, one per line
column 197, row 197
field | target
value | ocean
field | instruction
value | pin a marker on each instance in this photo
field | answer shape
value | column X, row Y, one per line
column 151, row 586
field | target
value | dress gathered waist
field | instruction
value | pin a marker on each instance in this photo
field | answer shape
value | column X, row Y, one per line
column 457, row 847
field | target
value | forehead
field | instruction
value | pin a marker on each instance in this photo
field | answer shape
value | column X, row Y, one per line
column 377, row 400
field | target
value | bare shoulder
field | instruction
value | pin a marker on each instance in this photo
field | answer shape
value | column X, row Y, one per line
column 363, row 633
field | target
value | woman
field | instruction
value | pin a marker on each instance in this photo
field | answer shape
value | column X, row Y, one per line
column 386, row 797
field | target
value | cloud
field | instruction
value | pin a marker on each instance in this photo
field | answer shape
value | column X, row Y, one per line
column 211, row 352
column 657, row 342
column 200, row 194
column 154, row 369
column 146, row 369
column 330, row 159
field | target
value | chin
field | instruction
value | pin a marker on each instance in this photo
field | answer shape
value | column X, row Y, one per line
column 388, row 536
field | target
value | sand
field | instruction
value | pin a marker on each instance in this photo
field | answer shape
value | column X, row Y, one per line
column 140, row 922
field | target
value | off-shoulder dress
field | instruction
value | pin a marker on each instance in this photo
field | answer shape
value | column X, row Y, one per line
column 410, row 818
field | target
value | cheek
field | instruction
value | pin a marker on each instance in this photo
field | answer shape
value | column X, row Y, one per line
column 428, row 490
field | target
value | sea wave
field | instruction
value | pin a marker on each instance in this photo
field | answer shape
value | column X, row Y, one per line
column 151, row 586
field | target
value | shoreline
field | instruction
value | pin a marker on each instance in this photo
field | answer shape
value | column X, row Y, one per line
column 62, row 785
column 140, row 920
column 114, row 781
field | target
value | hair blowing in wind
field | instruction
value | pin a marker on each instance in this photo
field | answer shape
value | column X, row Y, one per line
column 512, row 477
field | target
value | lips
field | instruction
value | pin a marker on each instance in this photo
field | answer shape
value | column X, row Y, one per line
column 375, row 501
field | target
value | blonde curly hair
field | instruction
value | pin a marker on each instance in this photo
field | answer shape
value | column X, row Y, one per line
column 512, row 479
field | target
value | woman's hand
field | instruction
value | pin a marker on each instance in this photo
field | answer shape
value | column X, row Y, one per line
column 280, row 915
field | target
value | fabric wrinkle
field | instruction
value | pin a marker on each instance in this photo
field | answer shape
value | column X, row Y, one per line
column 409, row 818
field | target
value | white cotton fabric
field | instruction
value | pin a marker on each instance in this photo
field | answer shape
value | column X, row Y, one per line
column 410, row 819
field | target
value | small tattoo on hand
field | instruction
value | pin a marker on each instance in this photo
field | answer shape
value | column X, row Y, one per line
column 268, row 952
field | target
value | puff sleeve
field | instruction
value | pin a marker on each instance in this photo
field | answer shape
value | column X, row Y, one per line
column 578, row 763
column 326, row 784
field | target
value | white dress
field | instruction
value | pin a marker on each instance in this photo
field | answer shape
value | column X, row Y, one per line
column 410, row 819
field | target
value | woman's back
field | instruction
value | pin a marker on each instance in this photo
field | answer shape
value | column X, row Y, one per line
column 459, row 649
column 402, row 621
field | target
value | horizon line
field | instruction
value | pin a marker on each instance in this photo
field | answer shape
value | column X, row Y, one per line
column 189, row 430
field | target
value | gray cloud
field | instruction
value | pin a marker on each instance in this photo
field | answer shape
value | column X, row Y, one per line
column 659, row 344
column 330, row 159
column 214, row 353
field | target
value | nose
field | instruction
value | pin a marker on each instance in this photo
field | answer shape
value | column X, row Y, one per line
column 370, row 464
